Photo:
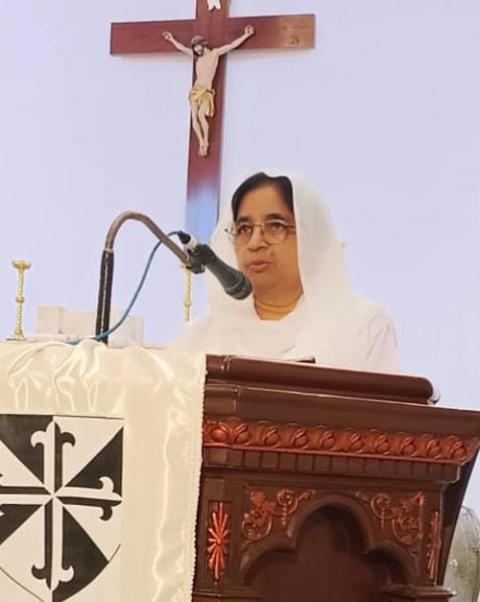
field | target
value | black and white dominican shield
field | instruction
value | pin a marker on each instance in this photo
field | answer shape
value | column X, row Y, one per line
column 60, row 502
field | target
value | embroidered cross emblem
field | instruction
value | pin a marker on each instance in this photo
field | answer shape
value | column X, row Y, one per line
column 66, row 473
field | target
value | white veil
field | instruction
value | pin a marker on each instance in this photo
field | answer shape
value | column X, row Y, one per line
column 333, row 324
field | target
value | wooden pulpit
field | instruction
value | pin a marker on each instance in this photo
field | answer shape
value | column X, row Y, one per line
column 324, row 485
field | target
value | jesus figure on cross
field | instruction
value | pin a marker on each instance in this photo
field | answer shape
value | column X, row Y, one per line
column 202, row 94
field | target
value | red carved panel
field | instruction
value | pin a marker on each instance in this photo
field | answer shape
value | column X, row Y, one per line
column 258, row 522
column 218, row 541
column 434, row 545
column 403, row 515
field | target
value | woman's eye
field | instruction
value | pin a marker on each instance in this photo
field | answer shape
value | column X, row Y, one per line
column 243, row 229
column 276, row 225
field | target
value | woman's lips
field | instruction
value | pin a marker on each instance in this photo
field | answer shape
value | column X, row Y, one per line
column 258, row 266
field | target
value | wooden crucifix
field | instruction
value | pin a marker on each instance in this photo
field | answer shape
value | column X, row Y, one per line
column 213, row 24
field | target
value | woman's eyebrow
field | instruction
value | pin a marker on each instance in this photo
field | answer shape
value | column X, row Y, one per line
column 267, row 216
column 276, row 216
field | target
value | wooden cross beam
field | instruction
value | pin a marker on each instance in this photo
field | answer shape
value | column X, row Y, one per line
column 213, row 23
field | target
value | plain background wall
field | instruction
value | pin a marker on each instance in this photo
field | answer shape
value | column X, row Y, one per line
column 383, row 115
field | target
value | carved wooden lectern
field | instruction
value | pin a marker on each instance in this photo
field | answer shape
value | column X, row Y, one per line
column 324, row 485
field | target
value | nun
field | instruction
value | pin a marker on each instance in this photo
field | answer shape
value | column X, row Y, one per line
column 278, row 231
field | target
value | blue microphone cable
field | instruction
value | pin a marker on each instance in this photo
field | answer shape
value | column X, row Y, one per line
column 107, row 333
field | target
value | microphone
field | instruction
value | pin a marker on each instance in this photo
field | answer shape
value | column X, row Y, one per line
column 234, row 282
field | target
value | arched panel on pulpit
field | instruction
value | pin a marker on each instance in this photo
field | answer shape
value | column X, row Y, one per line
column 346, row 570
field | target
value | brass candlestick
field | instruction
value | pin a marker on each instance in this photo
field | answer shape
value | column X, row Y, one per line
column 22, row 266
column 187, row 299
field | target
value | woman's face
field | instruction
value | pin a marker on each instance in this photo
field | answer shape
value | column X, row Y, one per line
column 272, row 268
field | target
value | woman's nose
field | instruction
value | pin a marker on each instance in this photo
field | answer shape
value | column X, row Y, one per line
column 257, row 239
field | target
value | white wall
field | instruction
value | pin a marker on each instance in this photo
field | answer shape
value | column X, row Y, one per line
column 384, row 116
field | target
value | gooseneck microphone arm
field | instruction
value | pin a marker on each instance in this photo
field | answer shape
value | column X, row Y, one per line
column 106, row 270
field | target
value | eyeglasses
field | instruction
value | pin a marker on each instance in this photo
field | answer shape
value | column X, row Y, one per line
column 274, row 231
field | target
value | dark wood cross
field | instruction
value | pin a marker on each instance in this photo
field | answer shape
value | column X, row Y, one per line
column 291, row 31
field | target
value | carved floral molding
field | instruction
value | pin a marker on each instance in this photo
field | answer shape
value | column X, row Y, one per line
column 322, row 440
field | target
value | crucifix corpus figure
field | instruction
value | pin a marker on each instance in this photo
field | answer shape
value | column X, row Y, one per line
column 202, row 94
